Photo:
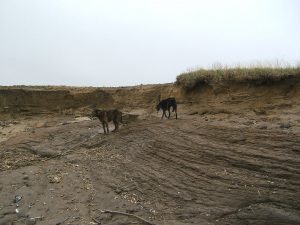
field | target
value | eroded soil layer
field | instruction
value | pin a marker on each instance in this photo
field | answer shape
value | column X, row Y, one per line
column 199, row 169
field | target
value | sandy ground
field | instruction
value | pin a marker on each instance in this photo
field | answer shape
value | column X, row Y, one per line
column 199, row 169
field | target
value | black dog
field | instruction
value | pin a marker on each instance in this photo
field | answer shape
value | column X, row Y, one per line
column 165, row 105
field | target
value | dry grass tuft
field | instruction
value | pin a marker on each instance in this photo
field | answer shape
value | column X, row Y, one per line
column 257, row 75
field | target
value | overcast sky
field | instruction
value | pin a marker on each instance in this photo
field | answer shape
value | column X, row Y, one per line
column 128, row 42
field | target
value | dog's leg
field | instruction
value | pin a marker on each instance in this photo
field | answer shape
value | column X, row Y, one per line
column 103, row 126
column 116, row 126
column 163, row 114
column 107, row 127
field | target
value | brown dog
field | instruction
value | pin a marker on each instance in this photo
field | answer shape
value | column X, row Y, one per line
column 105, row 116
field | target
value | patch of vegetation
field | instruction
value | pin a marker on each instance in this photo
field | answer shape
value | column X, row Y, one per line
column 257, row 75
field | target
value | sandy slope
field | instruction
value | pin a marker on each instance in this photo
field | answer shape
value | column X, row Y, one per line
column 200, row 169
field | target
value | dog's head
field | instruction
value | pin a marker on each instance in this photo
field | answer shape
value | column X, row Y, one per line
column 94, row 113
column 158, row 107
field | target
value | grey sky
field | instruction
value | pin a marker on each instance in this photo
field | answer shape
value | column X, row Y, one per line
column 119, row 42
